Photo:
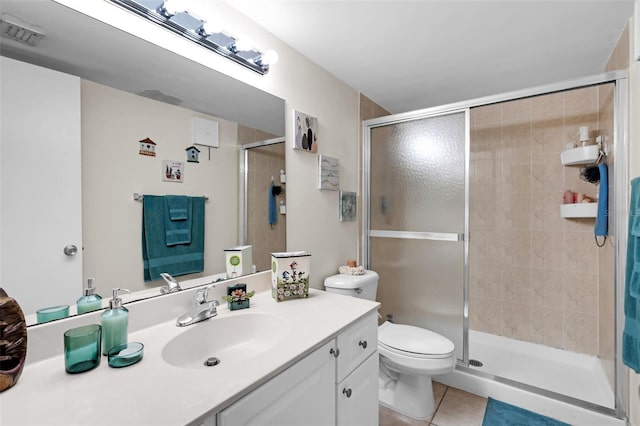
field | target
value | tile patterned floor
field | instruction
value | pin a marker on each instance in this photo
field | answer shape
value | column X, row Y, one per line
column 454, row 407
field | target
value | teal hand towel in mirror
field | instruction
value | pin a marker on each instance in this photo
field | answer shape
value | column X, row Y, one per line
column 179, row 206
column 273, row 213
column 177, row 219
column 179, row 259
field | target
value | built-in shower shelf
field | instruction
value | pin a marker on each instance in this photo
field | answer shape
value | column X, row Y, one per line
column 579, row 210
column 580, row 155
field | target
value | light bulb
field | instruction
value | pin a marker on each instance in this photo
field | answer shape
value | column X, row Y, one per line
column 173, row 6
column 243, row 43
column 269, row 57
column 211, row 28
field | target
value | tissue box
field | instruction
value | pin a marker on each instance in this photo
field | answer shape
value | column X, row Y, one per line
column 239, row 260
column 290, row 275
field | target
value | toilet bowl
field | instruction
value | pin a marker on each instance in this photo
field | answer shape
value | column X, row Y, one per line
column 409, row 355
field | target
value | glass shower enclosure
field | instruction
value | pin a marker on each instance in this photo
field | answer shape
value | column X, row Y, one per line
column 421, row 225
column 418, row 219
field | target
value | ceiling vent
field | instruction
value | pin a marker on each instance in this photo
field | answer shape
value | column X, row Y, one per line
column 15, row 29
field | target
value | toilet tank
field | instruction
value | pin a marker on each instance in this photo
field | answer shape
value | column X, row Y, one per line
column 362, row 286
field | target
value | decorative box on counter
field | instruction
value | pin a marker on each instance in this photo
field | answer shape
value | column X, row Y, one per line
column 239, row 260
column 237, row 296
column 290, row 275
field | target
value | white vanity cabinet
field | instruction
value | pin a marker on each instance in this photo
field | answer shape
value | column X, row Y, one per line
column 335, row 384
column 302, row 394
column 357, row 374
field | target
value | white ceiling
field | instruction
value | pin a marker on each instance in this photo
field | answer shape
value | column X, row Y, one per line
column 117, row 59
column 407, row 55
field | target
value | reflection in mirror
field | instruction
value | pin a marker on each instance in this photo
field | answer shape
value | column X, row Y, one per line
column 103, row 170
column 264, row 204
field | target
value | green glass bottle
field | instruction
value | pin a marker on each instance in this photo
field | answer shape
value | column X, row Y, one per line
column 115, row 322
column 90, row 301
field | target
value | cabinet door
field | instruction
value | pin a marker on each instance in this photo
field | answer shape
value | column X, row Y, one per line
column 304, row 394
column 357, row 395
column 356, row 344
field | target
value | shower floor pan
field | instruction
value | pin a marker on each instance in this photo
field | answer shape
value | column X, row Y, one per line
column 576, row 375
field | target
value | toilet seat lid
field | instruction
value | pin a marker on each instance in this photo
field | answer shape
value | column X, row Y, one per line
column 408, row 338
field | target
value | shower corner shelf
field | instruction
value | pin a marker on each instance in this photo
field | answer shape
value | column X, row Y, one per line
column 580, row 155
column 579, row 210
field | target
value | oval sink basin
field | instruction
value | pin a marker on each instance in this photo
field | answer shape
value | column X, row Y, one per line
column 236, row 337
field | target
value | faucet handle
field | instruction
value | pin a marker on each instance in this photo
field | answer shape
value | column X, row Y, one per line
column 213, row 306
column 171, row 284
column 201, row 296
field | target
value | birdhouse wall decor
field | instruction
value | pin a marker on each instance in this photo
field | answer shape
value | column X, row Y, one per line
column 192, row 154
column 147, row 147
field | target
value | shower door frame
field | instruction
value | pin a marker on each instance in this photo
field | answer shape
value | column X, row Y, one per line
column 243, row 234
column 436, row 236
column 620, row 182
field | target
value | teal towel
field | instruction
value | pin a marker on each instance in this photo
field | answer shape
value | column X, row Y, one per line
column 180, row 259
column 602, row 220
column 177, row 219
column 273, row 212
column 631, row 333
column 179, row 206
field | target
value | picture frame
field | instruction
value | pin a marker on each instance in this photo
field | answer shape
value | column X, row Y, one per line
column 305, row 131
column 328, row 173
column 172, row 171
column 348, row 206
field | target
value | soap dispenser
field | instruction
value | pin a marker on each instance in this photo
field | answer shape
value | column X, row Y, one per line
column 90, row 301
column 115, row 322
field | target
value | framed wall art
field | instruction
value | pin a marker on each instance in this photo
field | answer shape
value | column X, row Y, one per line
column 347, row 206
column 172, row 171
column 328, row 173
column 305, row 131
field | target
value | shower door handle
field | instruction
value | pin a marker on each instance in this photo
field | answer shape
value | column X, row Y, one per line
column 410, row 235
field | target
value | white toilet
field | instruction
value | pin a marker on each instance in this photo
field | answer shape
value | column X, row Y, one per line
column 409, row 356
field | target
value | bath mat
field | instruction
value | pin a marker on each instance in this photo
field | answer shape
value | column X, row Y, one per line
column 500, row 413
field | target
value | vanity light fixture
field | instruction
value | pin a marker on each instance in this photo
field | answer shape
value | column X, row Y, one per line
column 171, row 15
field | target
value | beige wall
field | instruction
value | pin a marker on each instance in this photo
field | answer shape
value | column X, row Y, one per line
column 112, row 170
column 312, row 215
column 534, row 275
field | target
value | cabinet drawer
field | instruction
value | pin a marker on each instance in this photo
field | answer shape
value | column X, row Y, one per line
column 356, row 344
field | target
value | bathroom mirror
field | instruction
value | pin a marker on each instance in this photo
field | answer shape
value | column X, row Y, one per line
column 109, row 60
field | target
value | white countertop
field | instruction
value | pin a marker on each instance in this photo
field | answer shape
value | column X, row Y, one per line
column 155, row 392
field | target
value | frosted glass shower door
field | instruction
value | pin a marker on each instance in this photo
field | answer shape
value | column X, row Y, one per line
column 417, row 220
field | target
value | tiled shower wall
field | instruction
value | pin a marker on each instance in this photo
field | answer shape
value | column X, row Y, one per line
column 264, row 162
column 533, row 275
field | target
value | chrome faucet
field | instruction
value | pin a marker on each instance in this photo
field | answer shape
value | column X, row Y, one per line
column 172, row 285
column 200, row 309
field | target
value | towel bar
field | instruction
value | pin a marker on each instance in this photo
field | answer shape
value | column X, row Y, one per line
column 138, row 197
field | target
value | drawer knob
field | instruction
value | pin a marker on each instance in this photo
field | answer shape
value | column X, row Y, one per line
column 347, row 392
column 363, row 344
column 334, row 352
